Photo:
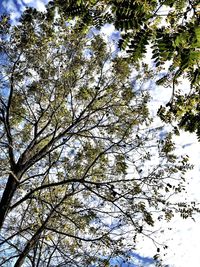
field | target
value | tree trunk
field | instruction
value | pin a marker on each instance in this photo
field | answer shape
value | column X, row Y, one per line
column 31, row 243
column 8, row 193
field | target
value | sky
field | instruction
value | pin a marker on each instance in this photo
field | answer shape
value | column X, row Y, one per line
column 15, row 7
column 181, row 236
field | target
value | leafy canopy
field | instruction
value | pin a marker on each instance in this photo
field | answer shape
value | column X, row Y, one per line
column 78, row 183
column 170, row 27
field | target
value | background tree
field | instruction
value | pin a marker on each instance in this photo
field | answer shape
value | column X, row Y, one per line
column 77, row 180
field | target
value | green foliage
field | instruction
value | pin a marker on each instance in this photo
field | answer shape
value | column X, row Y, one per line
column 185, row 110
column 74, row 148
column 174, row 36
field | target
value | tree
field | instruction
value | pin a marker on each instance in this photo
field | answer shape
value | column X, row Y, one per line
column 77, row 181
column 173, row 34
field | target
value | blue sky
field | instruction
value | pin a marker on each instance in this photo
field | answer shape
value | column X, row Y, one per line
column 15, row 7
column 183, row 239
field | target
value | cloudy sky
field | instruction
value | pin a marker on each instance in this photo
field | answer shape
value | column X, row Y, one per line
column 181, row 236
column 15, row 7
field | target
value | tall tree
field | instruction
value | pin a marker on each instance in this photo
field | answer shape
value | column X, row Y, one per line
column 77, row 181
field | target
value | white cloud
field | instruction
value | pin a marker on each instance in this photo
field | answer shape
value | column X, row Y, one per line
column 108, row 29
column 38, row 4
column 11, row 7
column 27, row 1
column 183, row 240
column 15, row 8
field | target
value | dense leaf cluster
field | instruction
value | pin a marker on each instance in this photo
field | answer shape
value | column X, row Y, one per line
column 170, row 27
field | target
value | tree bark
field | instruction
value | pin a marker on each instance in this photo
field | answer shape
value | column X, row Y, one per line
column 8, row 193
column 31, row 243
